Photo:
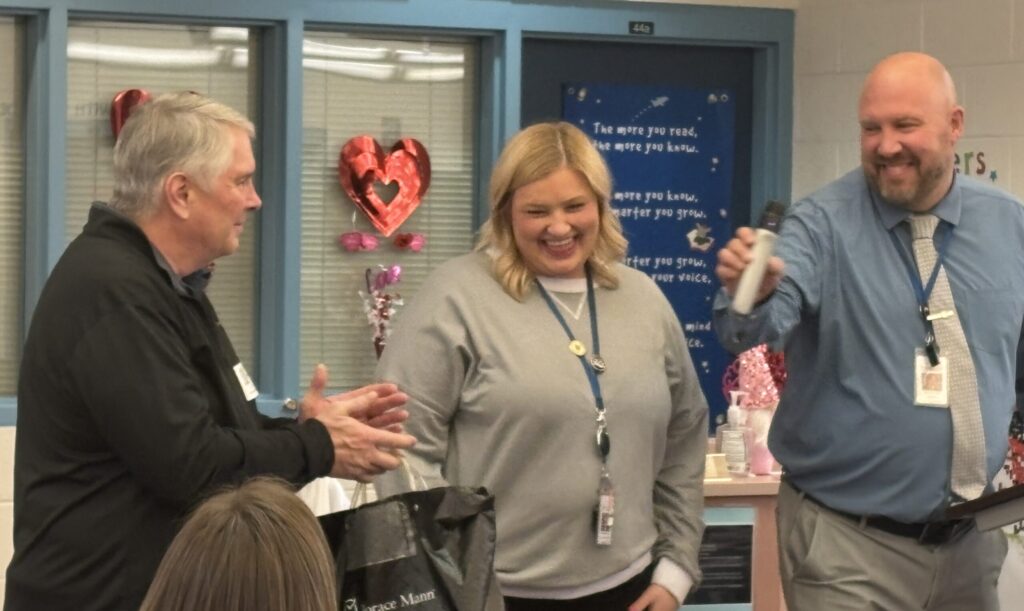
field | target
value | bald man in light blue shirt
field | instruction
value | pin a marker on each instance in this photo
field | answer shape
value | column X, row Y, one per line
column 867, row 465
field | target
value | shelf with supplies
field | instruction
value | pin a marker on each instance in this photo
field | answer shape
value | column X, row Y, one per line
column 718, row 482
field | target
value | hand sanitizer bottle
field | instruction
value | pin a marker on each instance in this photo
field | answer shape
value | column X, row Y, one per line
column 736, row 439
column 719, row 429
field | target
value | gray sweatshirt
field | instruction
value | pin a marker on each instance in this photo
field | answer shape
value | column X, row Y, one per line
column 498, row 400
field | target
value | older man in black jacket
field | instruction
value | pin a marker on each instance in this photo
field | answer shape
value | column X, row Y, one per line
column 131, row 400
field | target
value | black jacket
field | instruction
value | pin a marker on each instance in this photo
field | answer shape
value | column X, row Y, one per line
column 129, row 412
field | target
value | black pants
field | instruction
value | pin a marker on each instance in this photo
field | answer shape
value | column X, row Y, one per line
column 618, row 598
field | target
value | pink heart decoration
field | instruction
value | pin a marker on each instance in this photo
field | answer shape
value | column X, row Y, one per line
column 387, row 188
column 122, row 106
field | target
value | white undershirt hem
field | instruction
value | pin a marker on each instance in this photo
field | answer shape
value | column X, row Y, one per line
column 606, row 583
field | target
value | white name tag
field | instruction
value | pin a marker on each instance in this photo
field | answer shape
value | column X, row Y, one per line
column 246, row 382
column 931, row 384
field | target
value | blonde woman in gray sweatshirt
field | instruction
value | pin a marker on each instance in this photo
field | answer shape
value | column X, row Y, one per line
column 541, row 367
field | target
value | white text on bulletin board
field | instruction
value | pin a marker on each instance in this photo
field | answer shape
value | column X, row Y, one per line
column 670, row 150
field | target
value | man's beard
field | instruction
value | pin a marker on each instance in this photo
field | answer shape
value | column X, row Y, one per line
column 907, row 194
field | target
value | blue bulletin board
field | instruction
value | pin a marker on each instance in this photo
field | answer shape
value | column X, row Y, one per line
column 670, row 150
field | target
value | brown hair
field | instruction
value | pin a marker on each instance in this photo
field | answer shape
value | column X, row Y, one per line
column 529, row 156
column 256, row 547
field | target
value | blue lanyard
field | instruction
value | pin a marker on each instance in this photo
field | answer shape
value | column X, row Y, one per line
column 592, row 367
column 588, row 369
column 923, row 292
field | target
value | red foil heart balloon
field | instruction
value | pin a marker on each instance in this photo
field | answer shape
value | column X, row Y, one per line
column 387, row 188
column 123, row 105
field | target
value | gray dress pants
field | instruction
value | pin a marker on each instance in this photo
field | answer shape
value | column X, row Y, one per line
column 831, row 562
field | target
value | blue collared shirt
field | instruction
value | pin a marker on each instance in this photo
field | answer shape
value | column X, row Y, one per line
column 847, row 430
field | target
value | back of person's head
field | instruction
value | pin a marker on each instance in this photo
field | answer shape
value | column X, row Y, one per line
column 257, row 547
column 175, row 132
column 529, row 156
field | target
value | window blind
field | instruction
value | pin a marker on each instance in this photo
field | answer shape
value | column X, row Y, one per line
column 387, row 88
column 105, row 58
column 12, row 197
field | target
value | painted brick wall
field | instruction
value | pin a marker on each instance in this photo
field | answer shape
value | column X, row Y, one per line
column 837, row 42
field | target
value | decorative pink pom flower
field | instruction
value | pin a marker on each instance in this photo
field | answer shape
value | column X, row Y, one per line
column 354, row 241
column 387, row 276
column 410, row 241
column 380, row 305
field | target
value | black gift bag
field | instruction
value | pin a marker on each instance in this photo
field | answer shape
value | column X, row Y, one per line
column 430, row 550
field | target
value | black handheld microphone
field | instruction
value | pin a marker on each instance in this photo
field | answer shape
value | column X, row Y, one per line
column 764, row 245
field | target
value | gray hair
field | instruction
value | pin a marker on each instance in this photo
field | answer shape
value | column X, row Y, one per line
column 175, row 132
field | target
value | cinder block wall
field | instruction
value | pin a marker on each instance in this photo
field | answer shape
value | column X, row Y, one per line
column 837, row 42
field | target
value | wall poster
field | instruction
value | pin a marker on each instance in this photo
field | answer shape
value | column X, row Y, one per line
column 670, row 150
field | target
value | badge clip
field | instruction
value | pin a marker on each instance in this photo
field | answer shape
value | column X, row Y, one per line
column 941, row 314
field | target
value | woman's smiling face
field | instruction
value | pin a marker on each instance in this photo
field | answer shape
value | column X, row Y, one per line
column 555, row 221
